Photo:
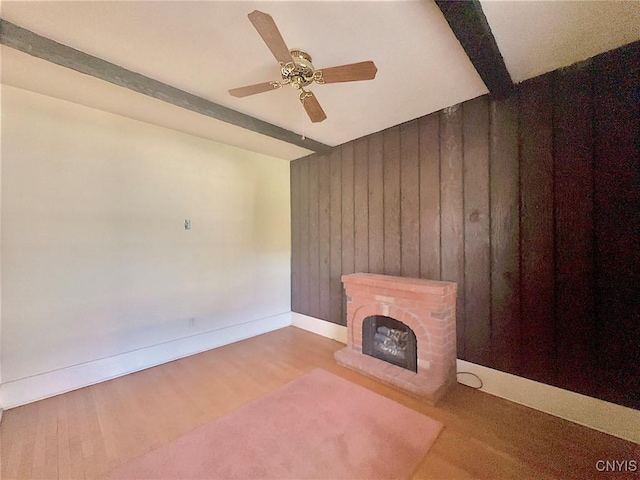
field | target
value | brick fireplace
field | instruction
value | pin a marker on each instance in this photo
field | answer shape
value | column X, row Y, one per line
column 384, row 315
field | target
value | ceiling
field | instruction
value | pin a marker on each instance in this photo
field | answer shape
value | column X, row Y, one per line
column 209, row 47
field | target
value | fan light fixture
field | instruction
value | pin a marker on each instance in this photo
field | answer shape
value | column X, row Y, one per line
column 299, row 73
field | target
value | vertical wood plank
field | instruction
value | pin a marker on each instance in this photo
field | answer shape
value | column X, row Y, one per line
column 314, row 245
column 452, row 221
column 430, row 197
column 324, row 235
column 361, row 202
column 335, row 241
column 376, row 205
column 410, row 199
column 391, row 179
column 304, row 236
column 295, row 235
column 574, row 230
column 536, row 230
column 617, row 221
column 348, row 220
column 477, row 235
column 505, row 235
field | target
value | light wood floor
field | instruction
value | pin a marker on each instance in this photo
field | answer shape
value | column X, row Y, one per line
column 85, row 433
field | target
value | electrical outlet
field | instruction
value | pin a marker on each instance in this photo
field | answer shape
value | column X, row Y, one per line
column 187, row 224
column 192, row 322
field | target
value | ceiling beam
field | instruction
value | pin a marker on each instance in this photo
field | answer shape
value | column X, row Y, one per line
column 470, row 26
column 38, row 46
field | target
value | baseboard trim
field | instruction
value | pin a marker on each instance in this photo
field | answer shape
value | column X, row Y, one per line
column 321, row 327
column 590, row 412
column 38, row 387
column 607, row 417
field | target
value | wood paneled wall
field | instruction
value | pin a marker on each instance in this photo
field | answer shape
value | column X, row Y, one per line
column 531, row 204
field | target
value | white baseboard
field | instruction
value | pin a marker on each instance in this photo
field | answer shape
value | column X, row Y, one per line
column 37, row 387
column 591, row 412
column 321, row 327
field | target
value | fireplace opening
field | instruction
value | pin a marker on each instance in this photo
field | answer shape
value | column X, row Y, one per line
column 390, row 340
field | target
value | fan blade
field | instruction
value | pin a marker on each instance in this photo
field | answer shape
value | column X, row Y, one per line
column 350, row 73
column 253, row 89
column 313, row 108
column 266, row 27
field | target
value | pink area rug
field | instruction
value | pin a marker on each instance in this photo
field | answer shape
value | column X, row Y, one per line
column 318, row 426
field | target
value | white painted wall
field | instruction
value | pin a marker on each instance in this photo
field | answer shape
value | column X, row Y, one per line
column 95, row 259
column 1, row 405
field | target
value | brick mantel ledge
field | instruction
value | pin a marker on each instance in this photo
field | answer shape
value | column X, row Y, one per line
column 415, row 285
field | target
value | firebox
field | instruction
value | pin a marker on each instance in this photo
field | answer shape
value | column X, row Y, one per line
column 390, row 340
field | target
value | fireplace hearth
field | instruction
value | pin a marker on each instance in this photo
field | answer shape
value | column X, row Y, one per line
column 402, row 331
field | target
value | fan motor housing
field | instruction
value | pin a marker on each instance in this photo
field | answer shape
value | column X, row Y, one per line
column 300, row 72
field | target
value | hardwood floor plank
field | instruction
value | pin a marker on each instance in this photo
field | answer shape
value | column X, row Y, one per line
column 62, row 431
column 45, row 463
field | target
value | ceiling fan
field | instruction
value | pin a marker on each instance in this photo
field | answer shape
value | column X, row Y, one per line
column 297, row 70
